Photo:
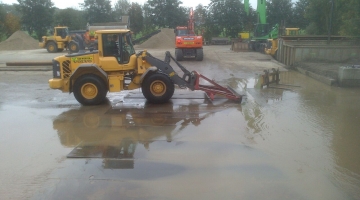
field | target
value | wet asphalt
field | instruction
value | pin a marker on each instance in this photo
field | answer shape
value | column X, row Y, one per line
column 296, row 140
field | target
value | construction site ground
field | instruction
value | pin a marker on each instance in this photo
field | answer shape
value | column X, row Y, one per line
column 294, row 140
column 325, row 72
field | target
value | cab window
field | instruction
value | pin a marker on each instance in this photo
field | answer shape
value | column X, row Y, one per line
column 118, row 46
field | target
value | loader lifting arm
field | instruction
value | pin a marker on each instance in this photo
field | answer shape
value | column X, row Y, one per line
column 191, row 80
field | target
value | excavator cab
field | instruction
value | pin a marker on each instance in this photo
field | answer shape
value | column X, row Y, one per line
column 261, row 30
column 181, row 31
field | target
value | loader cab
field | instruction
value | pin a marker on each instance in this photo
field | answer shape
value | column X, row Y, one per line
column 61, row 32
column 116, row 49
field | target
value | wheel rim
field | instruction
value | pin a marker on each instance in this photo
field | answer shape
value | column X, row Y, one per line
column 158, row 88
column 73, row 47
column 89, row 91
column 91, row 120
column 158, row 120
column 51, row 47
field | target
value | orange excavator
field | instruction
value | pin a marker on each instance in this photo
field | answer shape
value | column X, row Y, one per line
column 187, row 43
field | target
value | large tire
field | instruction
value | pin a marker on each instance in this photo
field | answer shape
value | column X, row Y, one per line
column 199, row 54
column 73, row 47
column 257, row 46
column 252, row 45
column 179, row 54
column 262, row 47
column 89, row 90
column 51, row 47
column 157, row 88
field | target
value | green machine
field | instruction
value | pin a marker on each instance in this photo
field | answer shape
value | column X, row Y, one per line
column 262, row 31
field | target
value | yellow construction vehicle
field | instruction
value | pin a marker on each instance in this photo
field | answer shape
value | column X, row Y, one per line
column 60, row 40
column 114, row 67
column 272, row 44
column 75, row 40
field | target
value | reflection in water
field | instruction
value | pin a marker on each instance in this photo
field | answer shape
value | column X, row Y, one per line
column 306, row 117
column 259, row 99
column 310, row 130
column 113, row 133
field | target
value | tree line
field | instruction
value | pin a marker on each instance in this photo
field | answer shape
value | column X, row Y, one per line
column 220, row 17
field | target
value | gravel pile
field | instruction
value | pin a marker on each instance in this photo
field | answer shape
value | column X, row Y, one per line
column 163, row 40
column 19, row 41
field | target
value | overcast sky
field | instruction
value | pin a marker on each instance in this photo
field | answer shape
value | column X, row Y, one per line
column 75, row 3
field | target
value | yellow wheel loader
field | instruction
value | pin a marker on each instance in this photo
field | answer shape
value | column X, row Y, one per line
column 57, row 42
column 115, row 66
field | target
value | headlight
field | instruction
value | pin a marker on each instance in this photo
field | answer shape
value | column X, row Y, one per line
column 56, row 69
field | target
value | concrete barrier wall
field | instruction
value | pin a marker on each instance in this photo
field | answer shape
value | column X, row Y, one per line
column 290, row 52
column 239, row 46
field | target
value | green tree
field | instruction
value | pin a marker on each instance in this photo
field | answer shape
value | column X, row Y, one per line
column 12, row 24
column 2, row 24
column 148, row 25
column 319, row 14
column 36, row 16
column 250, row 20
column 121, row 8
column 227, row 17
column 97, row 11
column 12, row 9
column 350, row 17
column 136, row 18
column 167, row 13
column 299, row 9
column 72, row 18
column 278, row 11
column 234, row 15
column 200, row 19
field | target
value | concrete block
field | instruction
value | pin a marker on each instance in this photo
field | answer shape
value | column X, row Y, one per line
column 349, row 76
column 323, row 79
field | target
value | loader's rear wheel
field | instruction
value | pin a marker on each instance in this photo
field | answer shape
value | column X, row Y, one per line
column 157, row 88
column 73, row 47
column 199, row 54
column 90, row 89
column 179, row 54
column 51, row 47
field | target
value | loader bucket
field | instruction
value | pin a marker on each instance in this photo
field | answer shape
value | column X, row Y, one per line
column 215, row 89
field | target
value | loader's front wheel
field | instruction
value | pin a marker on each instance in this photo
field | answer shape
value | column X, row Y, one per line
column 157, row 88
column 51, row 47
column 90, row 90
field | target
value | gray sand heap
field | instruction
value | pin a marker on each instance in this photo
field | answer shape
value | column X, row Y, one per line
column 163, row 40
column 19, row 41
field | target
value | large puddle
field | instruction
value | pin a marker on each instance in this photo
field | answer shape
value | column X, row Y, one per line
column 296, row 140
